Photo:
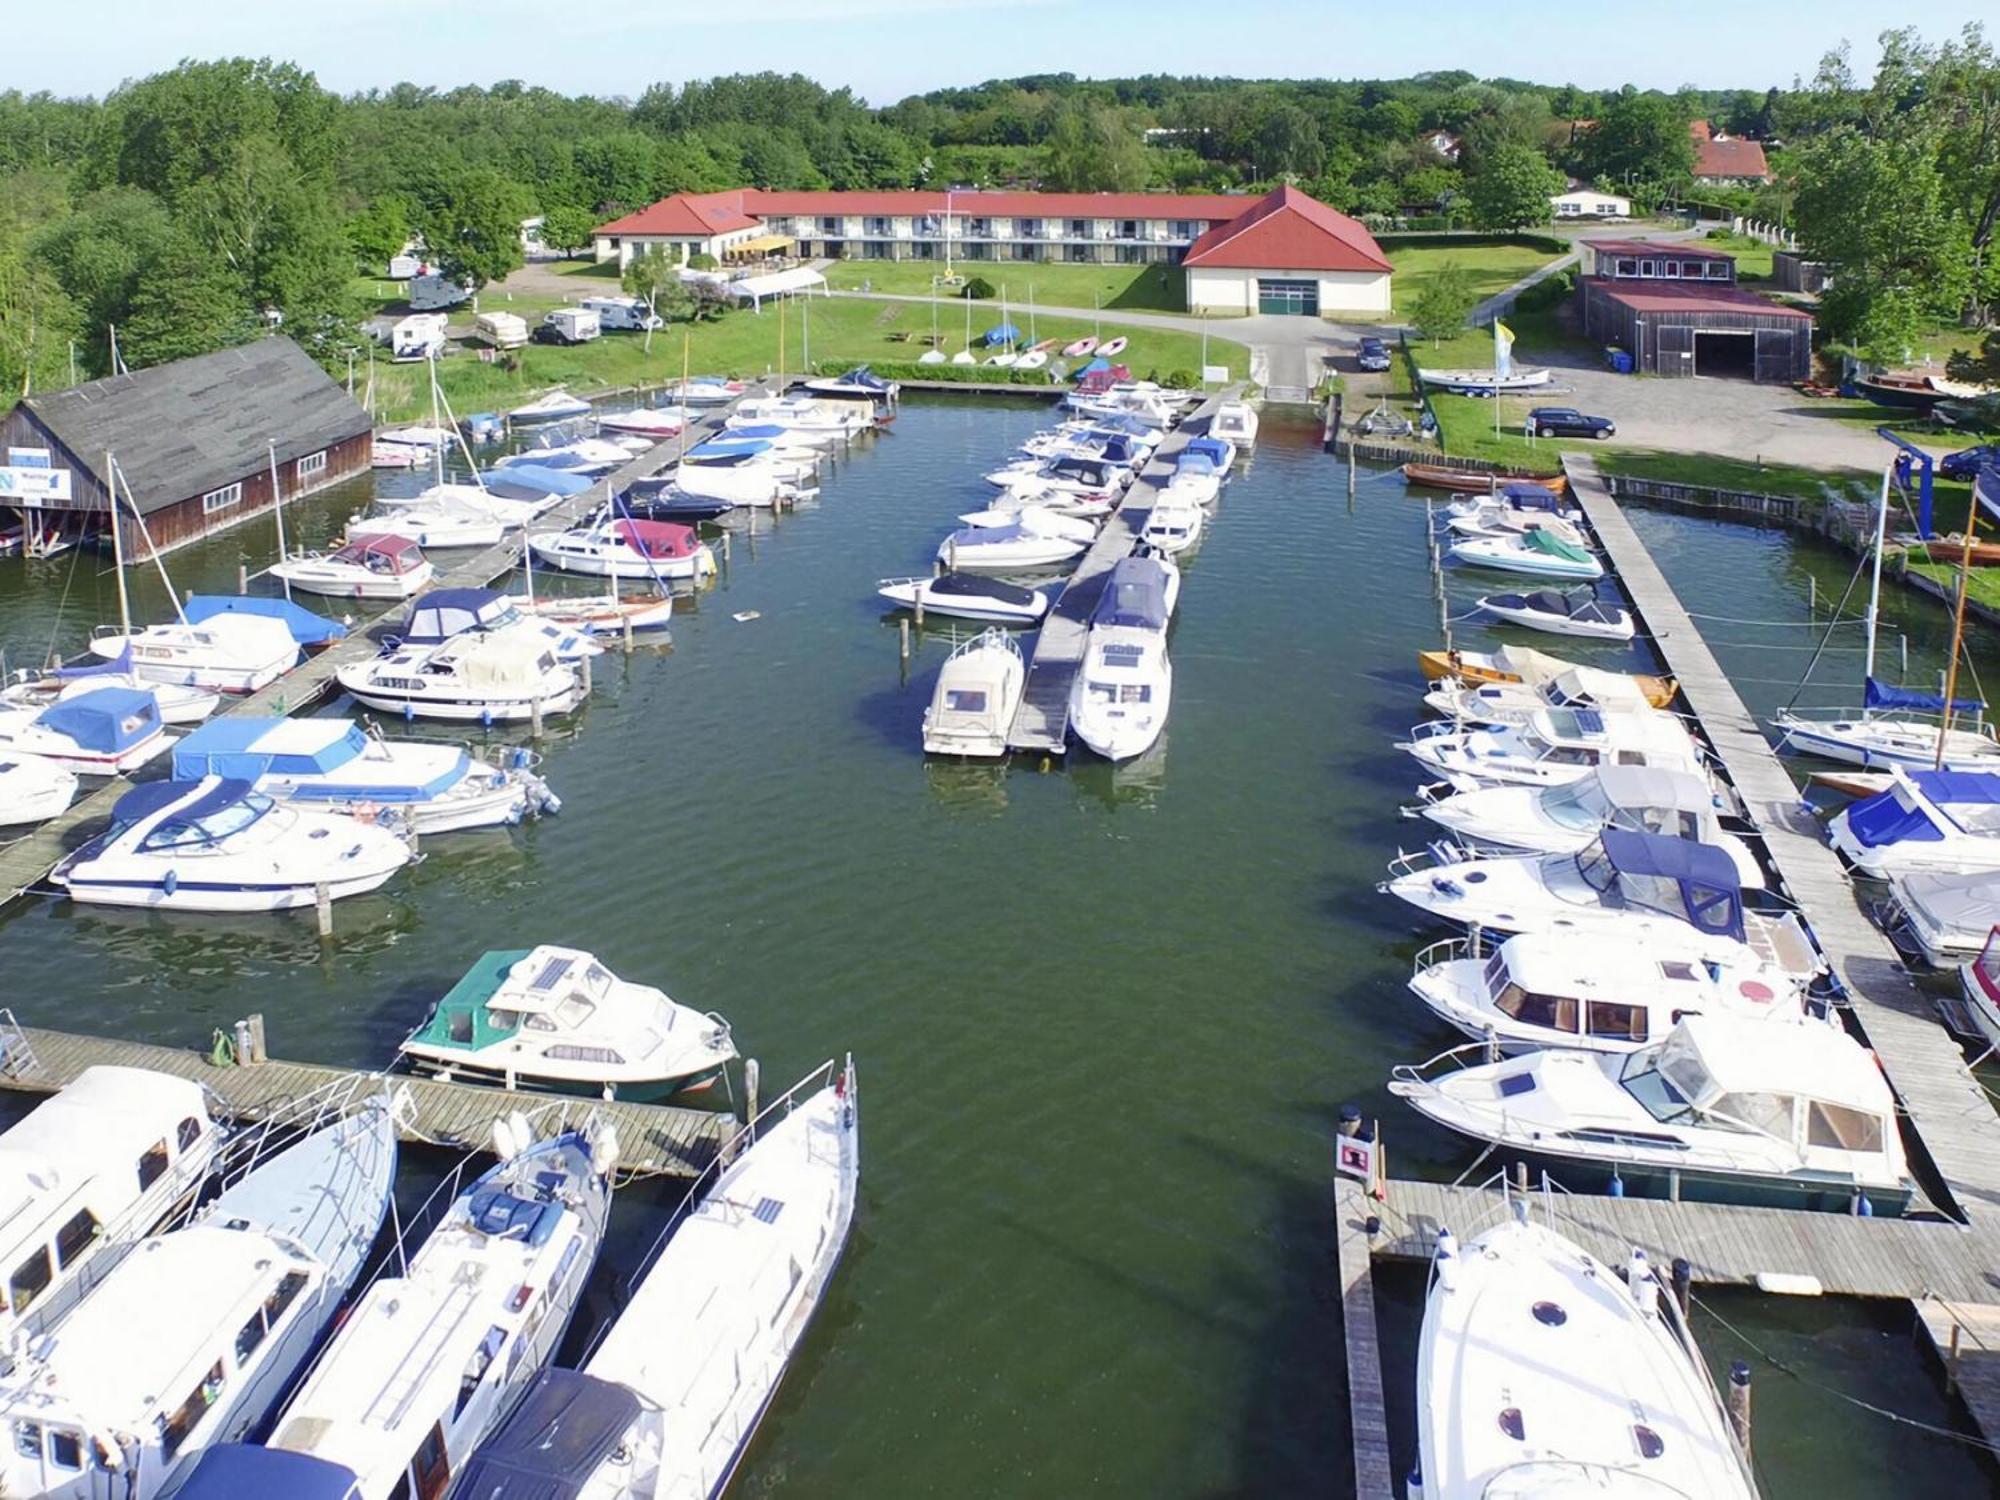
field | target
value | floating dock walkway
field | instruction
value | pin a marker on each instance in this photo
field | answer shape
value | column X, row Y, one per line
column 1946, row 1263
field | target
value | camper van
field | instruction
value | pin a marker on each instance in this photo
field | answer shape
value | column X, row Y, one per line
column 503, row 330
column 429, row 293
column 569, row 325
column 419, row 336
column 622, row 314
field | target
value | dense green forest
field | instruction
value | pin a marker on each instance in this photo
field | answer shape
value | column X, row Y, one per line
column 191, row 208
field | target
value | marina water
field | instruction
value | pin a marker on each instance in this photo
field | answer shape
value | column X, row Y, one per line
column 1104, row 1018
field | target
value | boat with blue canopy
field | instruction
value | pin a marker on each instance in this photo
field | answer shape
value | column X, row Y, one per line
column 1937, row 822
column 441, row 614
column 244, row 1471
column 105, row 732
column 1897, row 726
column 178, row 704
column 1220, row 452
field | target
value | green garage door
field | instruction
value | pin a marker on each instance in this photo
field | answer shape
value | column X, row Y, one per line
column 1288, row 298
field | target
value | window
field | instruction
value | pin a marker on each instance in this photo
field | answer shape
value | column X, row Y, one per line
column 1079, row 229
column 433, row 1465
column 1841, row 1129
column 1626, row 266
column 174, row 1430
column 1128, row 229
column 477, row 1366
column 573, row 1052
column 248, row 1337
column 222, row 499
column 311, row 464
column 188, row 1133
column 1181, row 229
column 65, row 1449
column 1031, row 228
column 1649, row 268
column 286, row 1294
column 1671, row 269
column 1623, row 1023
column 152, row 1164
column 1768, row 1113
column 966, row 701
column 1554, row 1012
column 28, row 1439
column 1718, row 270
column 75, row 1237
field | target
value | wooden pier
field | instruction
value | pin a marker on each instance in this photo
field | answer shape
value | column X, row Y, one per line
column 653, row 1139
column 1042, row 720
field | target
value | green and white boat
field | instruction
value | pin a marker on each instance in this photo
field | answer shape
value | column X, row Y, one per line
column 557, row 1018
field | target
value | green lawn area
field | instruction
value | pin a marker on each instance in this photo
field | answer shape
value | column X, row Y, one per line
column 1466, row 423
column 1493, row 268
column 1982, row 584
column 743, row 343
column 1154, row 288
column 1752, row 257
column 1739, row 474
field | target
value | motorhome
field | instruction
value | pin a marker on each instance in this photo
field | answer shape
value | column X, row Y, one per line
column 428, row 293
column 622, row 314
column 571, row 325
column 419, row 336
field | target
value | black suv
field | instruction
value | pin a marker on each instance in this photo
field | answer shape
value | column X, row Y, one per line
column 548, row 333
column 1372, row 354
column 1567, row 421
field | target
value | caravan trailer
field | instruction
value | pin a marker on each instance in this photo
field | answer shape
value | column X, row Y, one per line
column 622, row 314
column 568, row 325
column 419, row 336
column 503, row 330
column 430, row 293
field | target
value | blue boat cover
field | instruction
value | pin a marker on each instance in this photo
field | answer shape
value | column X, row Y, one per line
column 108, row 720
column 733, row 452
column 1529, row 497
column 1882, row 695
column 538, row 479
column 860, row 375
column 1958, row 786
column 307, row 627
column 1710, row 889
column 973, row 536
column 150, row 797
column 1195, row 463
column 1093, row 367
column 1135, row 594
column 735, row 437
column 566, row 1425
column 1004, row 333
column 1884, row 819
column 235, row 747
column 443, row 613
column 243, row 1471
column 1215, row 449
column 117, row 665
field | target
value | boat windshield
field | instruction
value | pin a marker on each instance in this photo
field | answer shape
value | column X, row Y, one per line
column 1595, row 866
column 175, row 832
column 1579, row 805
column 1657, row 1081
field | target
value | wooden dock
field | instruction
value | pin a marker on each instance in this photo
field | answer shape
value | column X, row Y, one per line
column 1042, row 720
column 1368, row 1426
column 653, row 1139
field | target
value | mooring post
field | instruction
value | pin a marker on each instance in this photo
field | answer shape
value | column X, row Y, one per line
column 1812, row 596
column 535, row 719
column 1521, row 1177
column 920, row 606
column 323, row 908
column 628, row 633
column 903, row 639
column 256, row 1025
column 751, row 1074
column 1951, row 1362
column 1682, row 1283
column 243, row 578
column 1739, row 1405
column 1350, row 472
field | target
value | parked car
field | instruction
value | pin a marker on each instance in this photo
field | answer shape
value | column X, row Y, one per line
column 1567, row 421
column 1373, row 354
column 1966, row 463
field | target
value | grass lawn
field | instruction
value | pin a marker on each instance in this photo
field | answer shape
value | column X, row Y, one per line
column 1739, row 474
column 1154, row 288
column 744, row 343
column 1752, row 257
column 1465, row 423
column 1493, row 268
column 1982, row 584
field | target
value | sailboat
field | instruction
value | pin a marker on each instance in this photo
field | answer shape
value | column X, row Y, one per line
column 1897, row 726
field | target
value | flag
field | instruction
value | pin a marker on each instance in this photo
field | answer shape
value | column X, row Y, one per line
column 1503, row 349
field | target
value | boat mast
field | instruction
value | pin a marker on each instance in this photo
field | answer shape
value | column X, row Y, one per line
column 437, row 448
column 1957, row 624
column 1875, row 585
column 117, row 548
column 278, row 511
column 159, row 562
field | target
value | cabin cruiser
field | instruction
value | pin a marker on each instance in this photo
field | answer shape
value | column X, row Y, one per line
column 1894, row 728
column 509, row 675
column 1946, row 917
column 1517, row 702
column 1174, row 523
column 591, row 456
column 232, row 1306
column 1554, row 746
column 1236, row 421
column 978, row 690
column 1543, row 552
column 334, row 765
column 90, row 1170
column 1046, row 519
column 1936, row 822
column 33, row 790
column 1124, row 690
column 768, row 441
column 221, row 845
column 726, row 1289
column 1010, row 546
column 370, row 566
column 104, row 732
column 444, row 520
column 1578, row 612
column 444, row 613
column 1522, row 664
column 226, row 653
column 1195, row 479
column 659, row 550
column 646, row 422
column 178, row 704
column 556, row 406
column 1541, row 1373
column 967, row 596
column 1722, row 1109
column 1565, row 819
column 429, row 1362
column 1629, row 884
column 557, row 1018
column 1133, row 399
column 1089, row 478
column 1591, row 992
column 1117, row 456
column 810, row 419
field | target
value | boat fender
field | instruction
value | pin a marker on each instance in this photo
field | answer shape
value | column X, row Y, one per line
column 171, row 882
column 1639, row 1283
column 409, row 710
column 604, row 1149
column 1444, row 1262
column 486, row 718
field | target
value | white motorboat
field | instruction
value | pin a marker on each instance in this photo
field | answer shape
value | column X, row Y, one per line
column 1566, row 819
column 105, row 732
column 967, row 596
column 444, row 613
column 178, row 704
column 370, row 566
column 1925, row 822
column 729, row 1288
column 557, row 1018
column 1722, row 1109
column 1578, row 612
column 1947, row 917
column 1580, row 688
column 1485, row 382
column 1630, row 885
column 583, row 456
column 33, row 790
column 772, row 444
column 334, row 765
column 1511, row 506
column 102, row 1163
column 225, row 653
column 1124, row 690
column 1541, row 1374
column 233, row 1306
column 1218, row 452
column 740, row 473
column 1007, row 506
column 221, row 845
column 1088, row 441
column 1007, row 548
column 1045, row 519
column 1555, row 745
column 1174, row 523
column 1195, row 479
column 556, row 406
column 418, row 435
column 1593, row 993
column 446, row 520
column 1542, row 552
column 978, row 689
column 429, row 1362
column 1088, row 477
column 647, row 422
column 1523, row 664
column 659, row 550
column 705, row 391
column 808, row 417
column 512, row 505
column 644, row 613
column 1236, row 421
column 509, row 675
column 1979, row 982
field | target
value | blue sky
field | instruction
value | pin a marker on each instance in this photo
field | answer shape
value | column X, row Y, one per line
column 885, row 49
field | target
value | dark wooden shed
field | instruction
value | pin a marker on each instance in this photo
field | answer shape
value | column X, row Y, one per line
column 1679, row 329
column 193, row 441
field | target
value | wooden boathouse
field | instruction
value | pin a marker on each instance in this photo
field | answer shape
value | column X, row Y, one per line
column 1677, row 310
column 194, row 440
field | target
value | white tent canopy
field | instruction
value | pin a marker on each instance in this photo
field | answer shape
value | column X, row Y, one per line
column 799, row 280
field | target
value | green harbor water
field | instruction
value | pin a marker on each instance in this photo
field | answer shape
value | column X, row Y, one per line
column 1104, row 1018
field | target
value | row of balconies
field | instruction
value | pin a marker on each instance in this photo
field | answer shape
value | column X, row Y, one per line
column 1098, row 231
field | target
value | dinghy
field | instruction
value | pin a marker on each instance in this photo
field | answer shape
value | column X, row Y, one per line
column 601, row 614
column 1578, row 612
column 369, row 566
column 1081, row 347
column 1476, row 481
column 1544, row 552
column 1112, row 348
column 556, row 1018
column 1485, row 382
column 105, row 732
column 967, row 596
column 504, row 676
column 556, row 406
column 978, row 689
column 33, row 790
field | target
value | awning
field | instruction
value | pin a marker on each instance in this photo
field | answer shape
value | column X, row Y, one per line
column 760, row 244
column 754, row 289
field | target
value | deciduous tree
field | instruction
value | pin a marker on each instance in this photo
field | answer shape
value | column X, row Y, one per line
column 1443, row 303
column 1513, row 188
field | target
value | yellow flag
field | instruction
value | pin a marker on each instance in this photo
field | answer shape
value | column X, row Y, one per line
column 1503, row 348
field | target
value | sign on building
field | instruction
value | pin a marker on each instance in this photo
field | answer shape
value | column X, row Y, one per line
column 30, row 484
column 28, row 458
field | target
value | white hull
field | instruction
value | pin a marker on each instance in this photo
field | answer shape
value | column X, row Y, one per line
column 497, row 709
column 278, row 896
column 1484, row 382
column 344, row 581
column 178, row 705
column 196, row 670
column 1504, row 555
column 595, row 561
column 25, row 737
column 434, row 532
column 1908, row 743
column 1542, row 620
column 33, row 790
column 1010, row 556
column 907, row 592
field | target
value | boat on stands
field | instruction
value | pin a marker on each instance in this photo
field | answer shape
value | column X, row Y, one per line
column 335, row 765
column 1553, row 747
column 178, row 704
column 967, row 596
column 504, row 676
column 659, row 550
column 1924, row 822
column 234, row 1304
column 978, row 689
column 1907, row 391
column 1542, row 1373
column 225, row 653
column 1577, row 612
column 1523, row 664
column 1721, row 1110
column 1475, row 481
column 1485, row 382
column 556, row 1018
column 105, row 732
column 219, row 844
column 369, row 566
column 33, row 790
column 1544, row 552
column 556, row 406
column 1124, row 690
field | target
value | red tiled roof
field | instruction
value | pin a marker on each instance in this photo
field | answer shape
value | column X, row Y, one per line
column 1288, row 231
column 685, row 214
column 1700, row 131
column 1211, row 207
column 1730, row 158
column 1665, row 297
column 1657, row 249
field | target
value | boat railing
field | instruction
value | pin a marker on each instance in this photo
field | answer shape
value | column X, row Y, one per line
column 17, row 1056
column 1448, row 950
column 1451, row 1060
column 1436, row 855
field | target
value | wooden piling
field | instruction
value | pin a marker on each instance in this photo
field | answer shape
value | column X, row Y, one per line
column 535, row 719
column 1739, row 1405
column 903, row 639
column 257, row 1052
column 243, row 578
column 323, row 908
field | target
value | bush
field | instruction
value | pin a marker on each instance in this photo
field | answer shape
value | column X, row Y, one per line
column 1549, row 293
column 1181, row 380
column 701, row 262
column 979, row 289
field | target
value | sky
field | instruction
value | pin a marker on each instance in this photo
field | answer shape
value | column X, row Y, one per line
column 887, row 49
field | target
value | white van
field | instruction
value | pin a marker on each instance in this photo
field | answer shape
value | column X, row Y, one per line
column 419, row 336
column 503, row 330
column 623, row 314
column 428, row 293
column 570, row 325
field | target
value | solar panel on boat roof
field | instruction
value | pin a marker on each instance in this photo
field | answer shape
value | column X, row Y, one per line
column 1120, row 655
column 552, row 974
column 1590, row 721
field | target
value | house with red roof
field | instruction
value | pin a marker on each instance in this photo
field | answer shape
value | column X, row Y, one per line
column 1725, row 160
column 1284, row 252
